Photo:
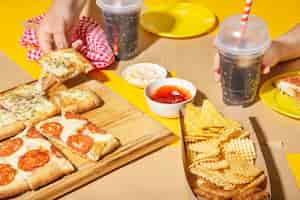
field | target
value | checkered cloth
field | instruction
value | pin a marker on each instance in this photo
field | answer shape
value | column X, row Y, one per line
column 87, row 34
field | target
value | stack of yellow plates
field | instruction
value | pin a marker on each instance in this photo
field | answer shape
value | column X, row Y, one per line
column 177, row 18
column 277, row 101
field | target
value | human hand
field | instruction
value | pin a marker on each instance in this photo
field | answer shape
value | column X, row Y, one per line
column 271, row 58
column 57, row 23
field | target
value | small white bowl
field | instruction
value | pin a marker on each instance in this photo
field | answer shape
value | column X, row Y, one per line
column 141, row 74
column 165, row 109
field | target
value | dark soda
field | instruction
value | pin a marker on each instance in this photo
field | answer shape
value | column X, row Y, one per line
column 240, row 77
column 122, row 32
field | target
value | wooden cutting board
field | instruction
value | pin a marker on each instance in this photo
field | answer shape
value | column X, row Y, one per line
column 138, row 133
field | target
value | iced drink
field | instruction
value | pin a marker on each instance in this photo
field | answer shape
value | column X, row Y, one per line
column 121, row 21
column 241, row 58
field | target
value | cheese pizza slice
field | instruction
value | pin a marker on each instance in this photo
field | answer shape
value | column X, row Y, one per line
column 11, row 181
column 38, row 161
column 9, row 124
column 62, row 65
column 19, row 95
column 79, row 135
column 35, row 110
column 77, row 100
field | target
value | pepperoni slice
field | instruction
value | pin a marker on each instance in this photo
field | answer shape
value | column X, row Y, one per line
column 9, row 147
column 70, row 115
column 80, row 143
column 7, row 174
column 33, row 133
column 52, row 128
column 33, row 159
column 56, row 151
column 94, row 129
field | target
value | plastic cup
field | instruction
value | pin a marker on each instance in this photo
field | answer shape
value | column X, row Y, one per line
column 241, row 58
column 121, row 21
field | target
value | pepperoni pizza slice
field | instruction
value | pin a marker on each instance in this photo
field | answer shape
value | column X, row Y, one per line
column 37, row 160
column 11, row 181
column 76, row 100
column 79, row 135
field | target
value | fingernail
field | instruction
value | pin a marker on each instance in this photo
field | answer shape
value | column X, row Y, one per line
column 266, row 70
column 217, row 77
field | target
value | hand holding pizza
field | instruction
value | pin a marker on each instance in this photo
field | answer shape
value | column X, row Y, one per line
column 60, row 18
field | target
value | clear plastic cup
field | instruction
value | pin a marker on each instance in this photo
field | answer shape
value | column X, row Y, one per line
column 121, row 21
column 241, row 58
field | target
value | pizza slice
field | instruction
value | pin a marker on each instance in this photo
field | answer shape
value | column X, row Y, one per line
column 35, row 110
column 77, row 100
column 79, row 135
column 63, row 65
column 9, row 124
column 38, row 161
column 19, row 95
column 290, row 85
column 11, row 181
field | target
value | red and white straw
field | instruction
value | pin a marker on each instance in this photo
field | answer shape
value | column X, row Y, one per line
column 246, row 13
column 245, row 17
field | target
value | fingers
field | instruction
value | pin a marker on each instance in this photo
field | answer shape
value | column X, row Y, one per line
column 271, row 58
column 45, row 40
column 60, row 39
column 52, row 36
column 216, row 68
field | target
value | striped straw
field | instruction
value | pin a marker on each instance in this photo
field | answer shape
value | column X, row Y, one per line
column 246, row 13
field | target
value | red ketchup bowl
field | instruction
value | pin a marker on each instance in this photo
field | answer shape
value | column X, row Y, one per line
column 167, row 96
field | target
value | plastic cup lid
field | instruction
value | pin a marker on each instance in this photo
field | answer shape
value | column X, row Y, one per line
column 254, row 40
column 120, row 5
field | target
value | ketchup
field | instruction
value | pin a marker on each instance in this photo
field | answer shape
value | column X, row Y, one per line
column 170, row 94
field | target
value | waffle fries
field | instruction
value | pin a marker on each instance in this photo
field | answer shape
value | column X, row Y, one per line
column 220, row 156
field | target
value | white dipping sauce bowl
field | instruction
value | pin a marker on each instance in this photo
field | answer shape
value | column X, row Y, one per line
column 165, row 109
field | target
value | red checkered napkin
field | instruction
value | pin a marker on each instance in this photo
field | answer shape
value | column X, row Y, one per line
column 87, row 34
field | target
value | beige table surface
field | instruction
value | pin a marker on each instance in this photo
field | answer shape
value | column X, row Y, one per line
column 160, row 175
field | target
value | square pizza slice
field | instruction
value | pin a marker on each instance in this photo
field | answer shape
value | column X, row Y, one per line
column 35, row 110
column 11, row 181
column 63, row 65
column 19, row 95
column 9, row 124
column 38, row 161
column 76, row 100
column 79, row 135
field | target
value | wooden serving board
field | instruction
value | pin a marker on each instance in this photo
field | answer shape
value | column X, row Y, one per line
column 260, row 160
column 138, row 133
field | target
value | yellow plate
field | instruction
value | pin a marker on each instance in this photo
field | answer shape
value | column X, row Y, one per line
column 178, row 19
column 277, row 101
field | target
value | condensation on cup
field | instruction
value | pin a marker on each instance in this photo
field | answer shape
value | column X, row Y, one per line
column 121, row 22
column 241, row 55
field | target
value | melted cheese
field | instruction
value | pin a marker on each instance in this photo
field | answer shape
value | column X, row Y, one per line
column 58, row 63
column 6, row 118
column 28, row 144
column 29, row 109
column 75, row 94
column 71, row 126
column 288, row 88
column 98, row 137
